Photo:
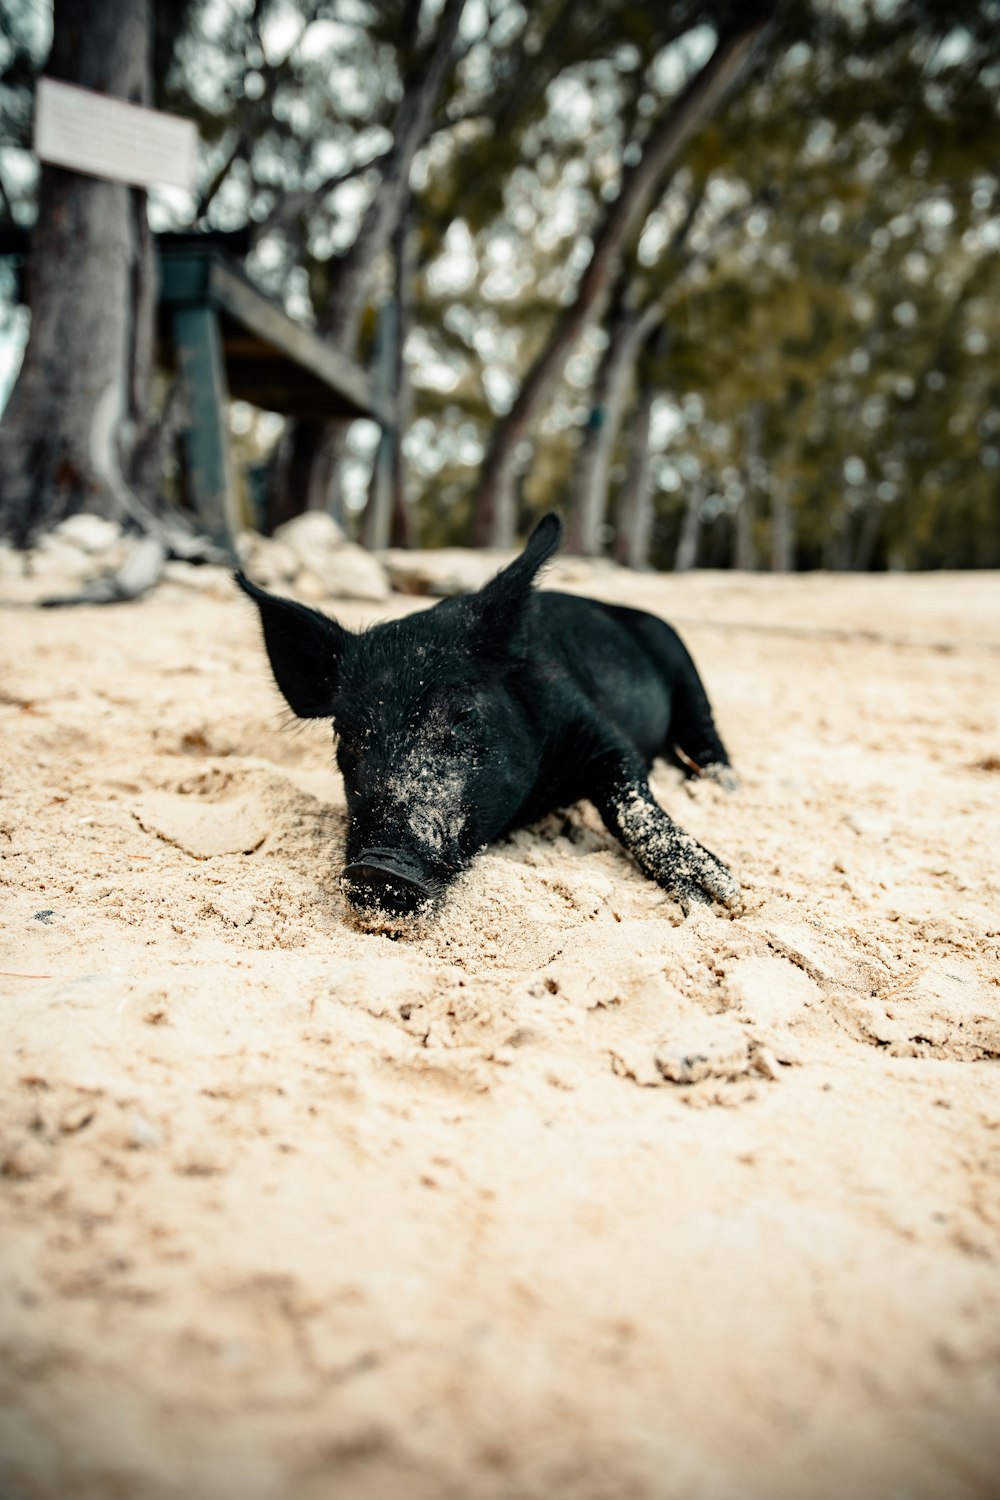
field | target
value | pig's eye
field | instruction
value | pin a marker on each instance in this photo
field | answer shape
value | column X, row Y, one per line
column 463, row 714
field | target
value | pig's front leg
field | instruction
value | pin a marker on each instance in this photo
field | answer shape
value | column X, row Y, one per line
column 621, row 793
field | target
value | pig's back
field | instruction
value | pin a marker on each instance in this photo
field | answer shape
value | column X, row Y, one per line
column 620, row 659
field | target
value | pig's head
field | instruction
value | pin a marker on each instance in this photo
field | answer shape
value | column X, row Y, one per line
column 433, row 725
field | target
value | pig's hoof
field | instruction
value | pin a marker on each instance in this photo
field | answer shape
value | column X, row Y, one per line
column 697, row 878
column 722, row 775
column 383, row 882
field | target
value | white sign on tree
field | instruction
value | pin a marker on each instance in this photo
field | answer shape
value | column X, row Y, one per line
column 106, row 137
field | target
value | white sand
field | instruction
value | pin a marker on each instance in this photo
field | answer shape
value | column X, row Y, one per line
column 567, row 1197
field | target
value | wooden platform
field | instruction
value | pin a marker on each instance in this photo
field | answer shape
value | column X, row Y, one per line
column 270, row 360
column 229, row 340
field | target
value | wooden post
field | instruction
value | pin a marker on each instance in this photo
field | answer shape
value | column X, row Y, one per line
column 199, row 352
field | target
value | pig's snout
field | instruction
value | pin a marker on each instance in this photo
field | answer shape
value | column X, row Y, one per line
column 385, row 880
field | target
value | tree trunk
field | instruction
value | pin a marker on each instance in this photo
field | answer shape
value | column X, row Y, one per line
column 386, row 521
column 377, row 518
column 836, row 546
column 78, row 410
column 871, row 524
column 687, row 543
column 588, row 496
column 635, row 503
column 782, row 528
column 495, row 520
column 401, row 515
column 307, row 457
column 746, row 515
column 340, row 319
column 746, row 547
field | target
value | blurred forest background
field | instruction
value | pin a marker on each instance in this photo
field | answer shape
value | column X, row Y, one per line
column 719, row 281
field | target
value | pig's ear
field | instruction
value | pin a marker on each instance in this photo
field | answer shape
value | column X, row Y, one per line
column 304, row 648
column 504, row 596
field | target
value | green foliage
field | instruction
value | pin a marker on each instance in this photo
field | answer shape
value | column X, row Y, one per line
column 860, row 306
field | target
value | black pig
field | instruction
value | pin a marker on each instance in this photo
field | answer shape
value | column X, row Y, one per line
column 477, row 716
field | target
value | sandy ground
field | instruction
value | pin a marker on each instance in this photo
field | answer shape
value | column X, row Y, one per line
column 568, row 1197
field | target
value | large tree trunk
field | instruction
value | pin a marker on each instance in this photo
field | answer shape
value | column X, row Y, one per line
column 495, row 517
column 340, row 319
column 78, row 410
column 628, row 328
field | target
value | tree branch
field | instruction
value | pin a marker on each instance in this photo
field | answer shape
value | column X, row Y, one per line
column 494, row 519
column 289, row 205
column 341, row 317
column 253, row 110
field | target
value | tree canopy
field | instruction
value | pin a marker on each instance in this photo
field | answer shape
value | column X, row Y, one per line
column 817, row 258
